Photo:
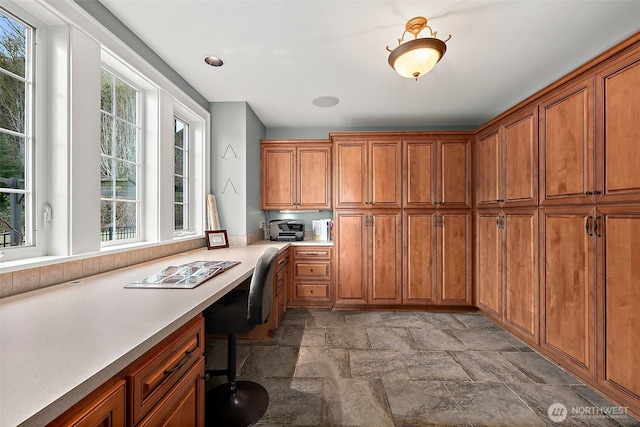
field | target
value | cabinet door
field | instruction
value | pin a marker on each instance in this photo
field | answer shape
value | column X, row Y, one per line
column 350, row 170
column 619, row 297
column 351, row 239
column 314, row 178
column 107, row 409
column 419, row 279
column 454, row 258
column 567, row 145
column 454, row 171
column 488, row 251
column 619, row 127
column 420, row 174
column 385, row 240
column 385, row 176
column 488, row 168
column 521, row 287
column 183, row 405
column 520, row 140
column 568, row 282
column 278, row 183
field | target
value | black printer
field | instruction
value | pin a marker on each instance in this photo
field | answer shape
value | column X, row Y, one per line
column 286, row 230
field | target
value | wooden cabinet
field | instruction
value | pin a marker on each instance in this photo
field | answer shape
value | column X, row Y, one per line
column 165, row 387
column 507, row 268
column 567, row 239
column 618, row 128
column 437, row 172
column 105, row 407
column 295, row 175
column 507, row 161
column 281, row 287
column 437, row 258
column 567, row 145
column 184, row 404
column 367, row 171
column 368, row 257
column 154, row 376
column 619, row 301
column 312, row 272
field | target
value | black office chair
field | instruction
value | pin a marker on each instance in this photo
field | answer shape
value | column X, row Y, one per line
column 240, row 403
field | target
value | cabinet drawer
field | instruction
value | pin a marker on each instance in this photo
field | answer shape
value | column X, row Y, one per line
column 150, row 379
column 312, row 253
column 282, row 260
column 312, row 291
column 312, row 270
column 281, row 281
column 184, row 405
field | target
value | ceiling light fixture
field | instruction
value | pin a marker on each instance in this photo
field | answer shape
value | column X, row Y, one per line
column 214, row 61
column 417, row 57
column 325, row 101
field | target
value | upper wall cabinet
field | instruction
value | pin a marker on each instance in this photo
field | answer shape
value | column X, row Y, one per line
column 296, row 175
column 567, row 145
column 618, row 128
column 437, row 172
column 507, row 161
column 367, row 171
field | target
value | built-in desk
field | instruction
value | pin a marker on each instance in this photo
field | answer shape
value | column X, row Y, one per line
column 59, row 343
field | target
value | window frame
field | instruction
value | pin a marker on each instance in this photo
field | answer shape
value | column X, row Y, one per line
column 36, row 165
column 186, row 179
column 139, row 165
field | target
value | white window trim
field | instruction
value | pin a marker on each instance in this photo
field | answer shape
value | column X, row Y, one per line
column 57, row 242
column 37, row 165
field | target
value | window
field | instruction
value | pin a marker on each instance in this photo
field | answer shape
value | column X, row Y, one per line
column 181, row 176
column 119, row 160
column 16, row 133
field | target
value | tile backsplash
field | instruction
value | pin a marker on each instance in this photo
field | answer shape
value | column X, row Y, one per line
column 30, row 279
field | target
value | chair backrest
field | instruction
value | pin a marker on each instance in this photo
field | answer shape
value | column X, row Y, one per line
column 261, row 288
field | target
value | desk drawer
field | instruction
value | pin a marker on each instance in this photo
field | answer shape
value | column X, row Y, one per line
column 311, row 291
column 150, row 379
column 312, row 270
column 312, row 253
column 282, row 260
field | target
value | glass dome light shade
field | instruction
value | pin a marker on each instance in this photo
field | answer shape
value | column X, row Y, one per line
column 417, row 57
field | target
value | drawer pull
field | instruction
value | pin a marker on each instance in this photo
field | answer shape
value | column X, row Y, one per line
column 312, row 253
column 180, row 364
column 282, row 261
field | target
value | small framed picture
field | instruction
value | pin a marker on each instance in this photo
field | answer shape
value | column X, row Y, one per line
column 216, row 239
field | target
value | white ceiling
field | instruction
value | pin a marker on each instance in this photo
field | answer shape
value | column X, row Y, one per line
column 279, row 55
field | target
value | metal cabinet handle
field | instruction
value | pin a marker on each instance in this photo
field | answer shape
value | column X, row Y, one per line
column 588, row 193
column 180, row 364
column 596, row 192
column 588, row 225
column 595, row 226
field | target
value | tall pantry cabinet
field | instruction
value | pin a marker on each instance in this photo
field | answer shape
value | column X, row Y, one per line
column 437, row 219
column 507, row 222
column 579, row 303
column 590, row 226
column 403, row 221
column 368, row 220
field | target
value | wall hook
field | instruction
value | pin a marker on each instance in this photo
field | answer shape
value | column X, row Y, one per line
column 234, row 152
column 232, row 186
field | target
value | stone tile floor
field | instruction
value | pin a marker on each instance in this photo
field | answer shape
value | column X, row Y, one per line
column 366, row 368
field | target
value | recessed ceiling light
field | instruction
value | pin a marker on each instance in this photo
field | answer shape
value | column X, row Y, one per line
column 214, row 61
column 325, row 101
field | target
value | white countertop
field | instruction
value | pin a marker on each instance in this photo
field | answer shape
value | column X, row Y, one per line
column 59, row 343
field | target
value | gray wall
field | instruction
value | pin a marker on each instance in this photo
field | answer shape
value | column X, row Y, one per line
column 255, row 132
column 235, row 165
